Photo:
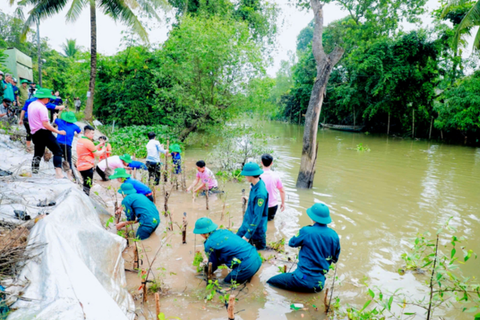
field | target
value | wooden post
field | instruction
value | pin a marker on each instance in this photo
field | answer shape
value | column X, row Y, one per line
column 157, row 304
column 206, row 195
column 154, row 195
column 285, row 268
column 184, row 228
column 388, row 125
column 441, row 134
column 135, row 173
column 231, row 307
column 244, row 202
column 430, row 133
column 165, row 178
column 136, row 262
column 354, row 116
column 210, row 268
column 413, row 123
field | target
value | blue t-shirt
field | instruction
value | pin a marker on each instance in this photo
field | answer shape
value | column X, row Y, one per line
column 177, row 162
column 137, row 165
column 16, row 92
column 140, row 187
column 58, row 101
column 49, row 106
column 70, row 129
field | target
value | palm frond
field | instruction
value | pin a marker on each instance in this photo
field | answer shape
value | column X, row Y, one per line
column 450, row 5
column 476, row 41
column 472, row 18
column 42, row 9
column 151, row 6
column 118, row 10
column 75, row 10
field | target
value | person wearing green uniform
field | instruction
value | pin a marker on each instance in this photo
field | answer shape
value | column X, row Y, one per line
column 139, row 209
column 254, row 226
column 223, row 247
column 23, row 92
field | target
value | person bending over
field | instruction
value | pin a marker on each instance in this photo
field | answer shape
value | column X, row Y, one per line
column 204, row 178
column 123, row 177
column 113, row 163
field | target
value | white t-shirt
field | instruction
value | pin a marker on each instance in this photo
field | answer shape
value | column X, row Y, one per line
column 153, row 151
column 113, row 163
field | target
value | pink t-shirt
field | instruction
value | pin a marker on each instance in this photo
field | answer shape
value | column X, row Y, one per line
column 113, row 163
column 273, row 183
column 208, row 177
column 37, row 113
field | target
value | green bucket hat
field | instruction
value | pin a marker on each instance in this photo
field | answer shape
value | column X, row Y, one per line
column 126, row 157
column 119, row 173
column 204, row 225
column 68, row 116
column 319, row 213
column 24, row 81
column 126, row 189
column 251, row 169
column 43, row 93
column 175, row 148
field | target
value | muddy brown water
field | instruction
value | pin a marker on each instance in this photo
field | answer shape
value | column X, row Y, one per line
column 379, row 201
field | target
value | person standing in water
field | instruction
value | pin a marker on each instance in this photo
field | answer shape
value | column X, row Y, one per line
column 273, row 185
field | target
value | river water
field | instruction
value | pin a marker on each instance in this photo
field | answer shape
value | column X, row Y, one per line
column 379, row 200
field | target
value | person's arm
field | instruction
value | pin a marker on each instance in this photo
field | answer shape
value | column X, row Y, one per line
column 212, row 257
column 201, row 186
column 297, row 241
column 48, row 126
column 59, row 108
column 258, row 209
column 282, row 197
column 22, row 115
column 337, row 253
column 193, row 184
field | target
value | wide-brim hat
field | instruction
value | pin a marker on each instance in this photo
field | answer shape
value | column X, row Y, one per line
column 119, row 173
column 319, row 213
column 24, row 81
column 68, row 116
column 175, row 148
column 126, row 157
column 204, row 225
column 127, row 188
column 251, row 169
column 44, row 93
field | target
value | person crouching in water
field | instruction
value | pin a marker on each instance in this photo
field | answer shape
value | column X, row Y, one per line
column 223, row 247
column 139, row 209
column 320, row 247
column 254, row 225
column 123, row 177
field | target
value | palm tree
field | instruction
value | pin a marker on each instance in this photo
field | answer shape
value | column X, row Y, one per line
column 471, row 19
column 70, row 48
column 118, row 10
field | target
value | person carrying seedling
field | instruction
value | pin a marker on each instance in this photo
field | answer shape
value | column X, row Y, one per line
column 254, row 225
column 176, row 158
column 123, row 177
column 67, row 123
column 320, row 247
column 107, row 146
column 139, row 209
column 223, row 247
column 113, row 163
column 204, row 177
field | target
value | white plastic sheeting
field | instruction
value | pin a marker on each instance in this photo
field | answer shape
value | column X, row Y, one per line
column 79, row 272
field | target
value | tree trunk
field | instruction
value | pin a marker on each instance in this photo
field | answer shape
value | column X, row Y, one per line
column 325, row 64
column 413, row 123
column 431, row 126
column 388, row 125
column 93, row 61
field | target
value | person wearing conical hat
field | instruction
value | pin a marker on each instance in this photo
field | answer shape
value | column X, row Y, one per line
column 138, row 209
column 223, row 247
column 123, row 177
column 320, row 247
column 254, row 225
column 67, row 123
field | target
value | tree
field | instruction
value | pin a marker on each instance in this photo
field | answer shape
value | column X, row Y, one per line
column 70, row 48
column 116, row 9
column 471, row 19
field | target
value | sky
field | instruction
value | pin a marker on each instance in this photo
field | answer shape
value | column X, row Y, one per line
column 109, row 36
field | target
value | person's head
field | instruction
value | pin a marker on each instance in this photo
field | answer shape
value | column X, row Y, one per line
column 151, row 135
column 7, row 102
column 319, row 213
column 267, row 160
column 200, row 166
column 8, row 77
column 102, row 139
column 77, row 98
column 89, row 132
column 120, row 174
column 24, row 83
column 43, row 95
column 14, row 81
column 252, row 172
column 126, row 159
column 204, row 227
column 126, row 189
column 57, row 94
column 33, row 85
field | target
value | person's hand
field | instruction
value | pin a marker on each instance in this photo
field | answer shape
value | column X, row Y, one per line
column 102, row 143
column 62, row 132
column 20, row 122
column 120, row 225
column 55, row 116
column 61, row 108
column 282, row 207
column 245, row 239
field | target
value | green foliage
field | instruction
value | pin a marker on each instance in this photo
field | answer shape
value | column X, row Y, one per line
column 70, row 48
column 197, row 261
column 362, row 148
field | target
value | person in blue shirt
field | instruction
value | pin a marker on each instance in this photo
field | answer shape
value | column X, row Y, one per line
column 137, row 165
column 138, row 209
column 67, row 123
column 123, row 177
column 24, row 118
column 320, row 247
column 16, row 93
column 254, row 225
column 176, row 158
column 223, row 247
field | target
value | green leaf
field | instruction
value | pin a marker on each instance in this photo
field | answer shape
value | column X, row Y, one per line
column 453, row 253
column 371, row 293
column 469, row 254
column 161, row 316
column 477, row 316
column 366, row 305
column 390, row 301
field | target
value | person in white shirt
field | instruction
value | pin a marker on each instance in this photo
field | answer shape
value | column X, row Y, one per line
column 154, row 148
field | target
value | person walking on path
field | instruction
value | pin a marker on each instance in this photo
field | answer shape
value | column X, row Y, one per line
column 42, row 136
column 320, row 247
column 107, row 146
column 67, row 123
column 154, row 148
column 139, row 209
column 23, row 89
column 113, row 163
column 77, row 104
column 223, row 247
column 273, row 185
column 86, row 152
column 24, row 117
column 254, row 225
column 123, row 177
column 204, row 177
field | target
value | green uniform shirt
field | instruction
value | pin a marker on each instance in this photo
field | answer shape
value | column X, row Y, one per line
column 23, row 95
column 139, row 207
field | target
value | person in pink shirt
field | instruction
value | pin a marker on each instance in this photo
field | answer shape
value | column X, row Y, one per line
column 274, row 186
column 41, row 130
column 205, row 177
column 114, row 162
